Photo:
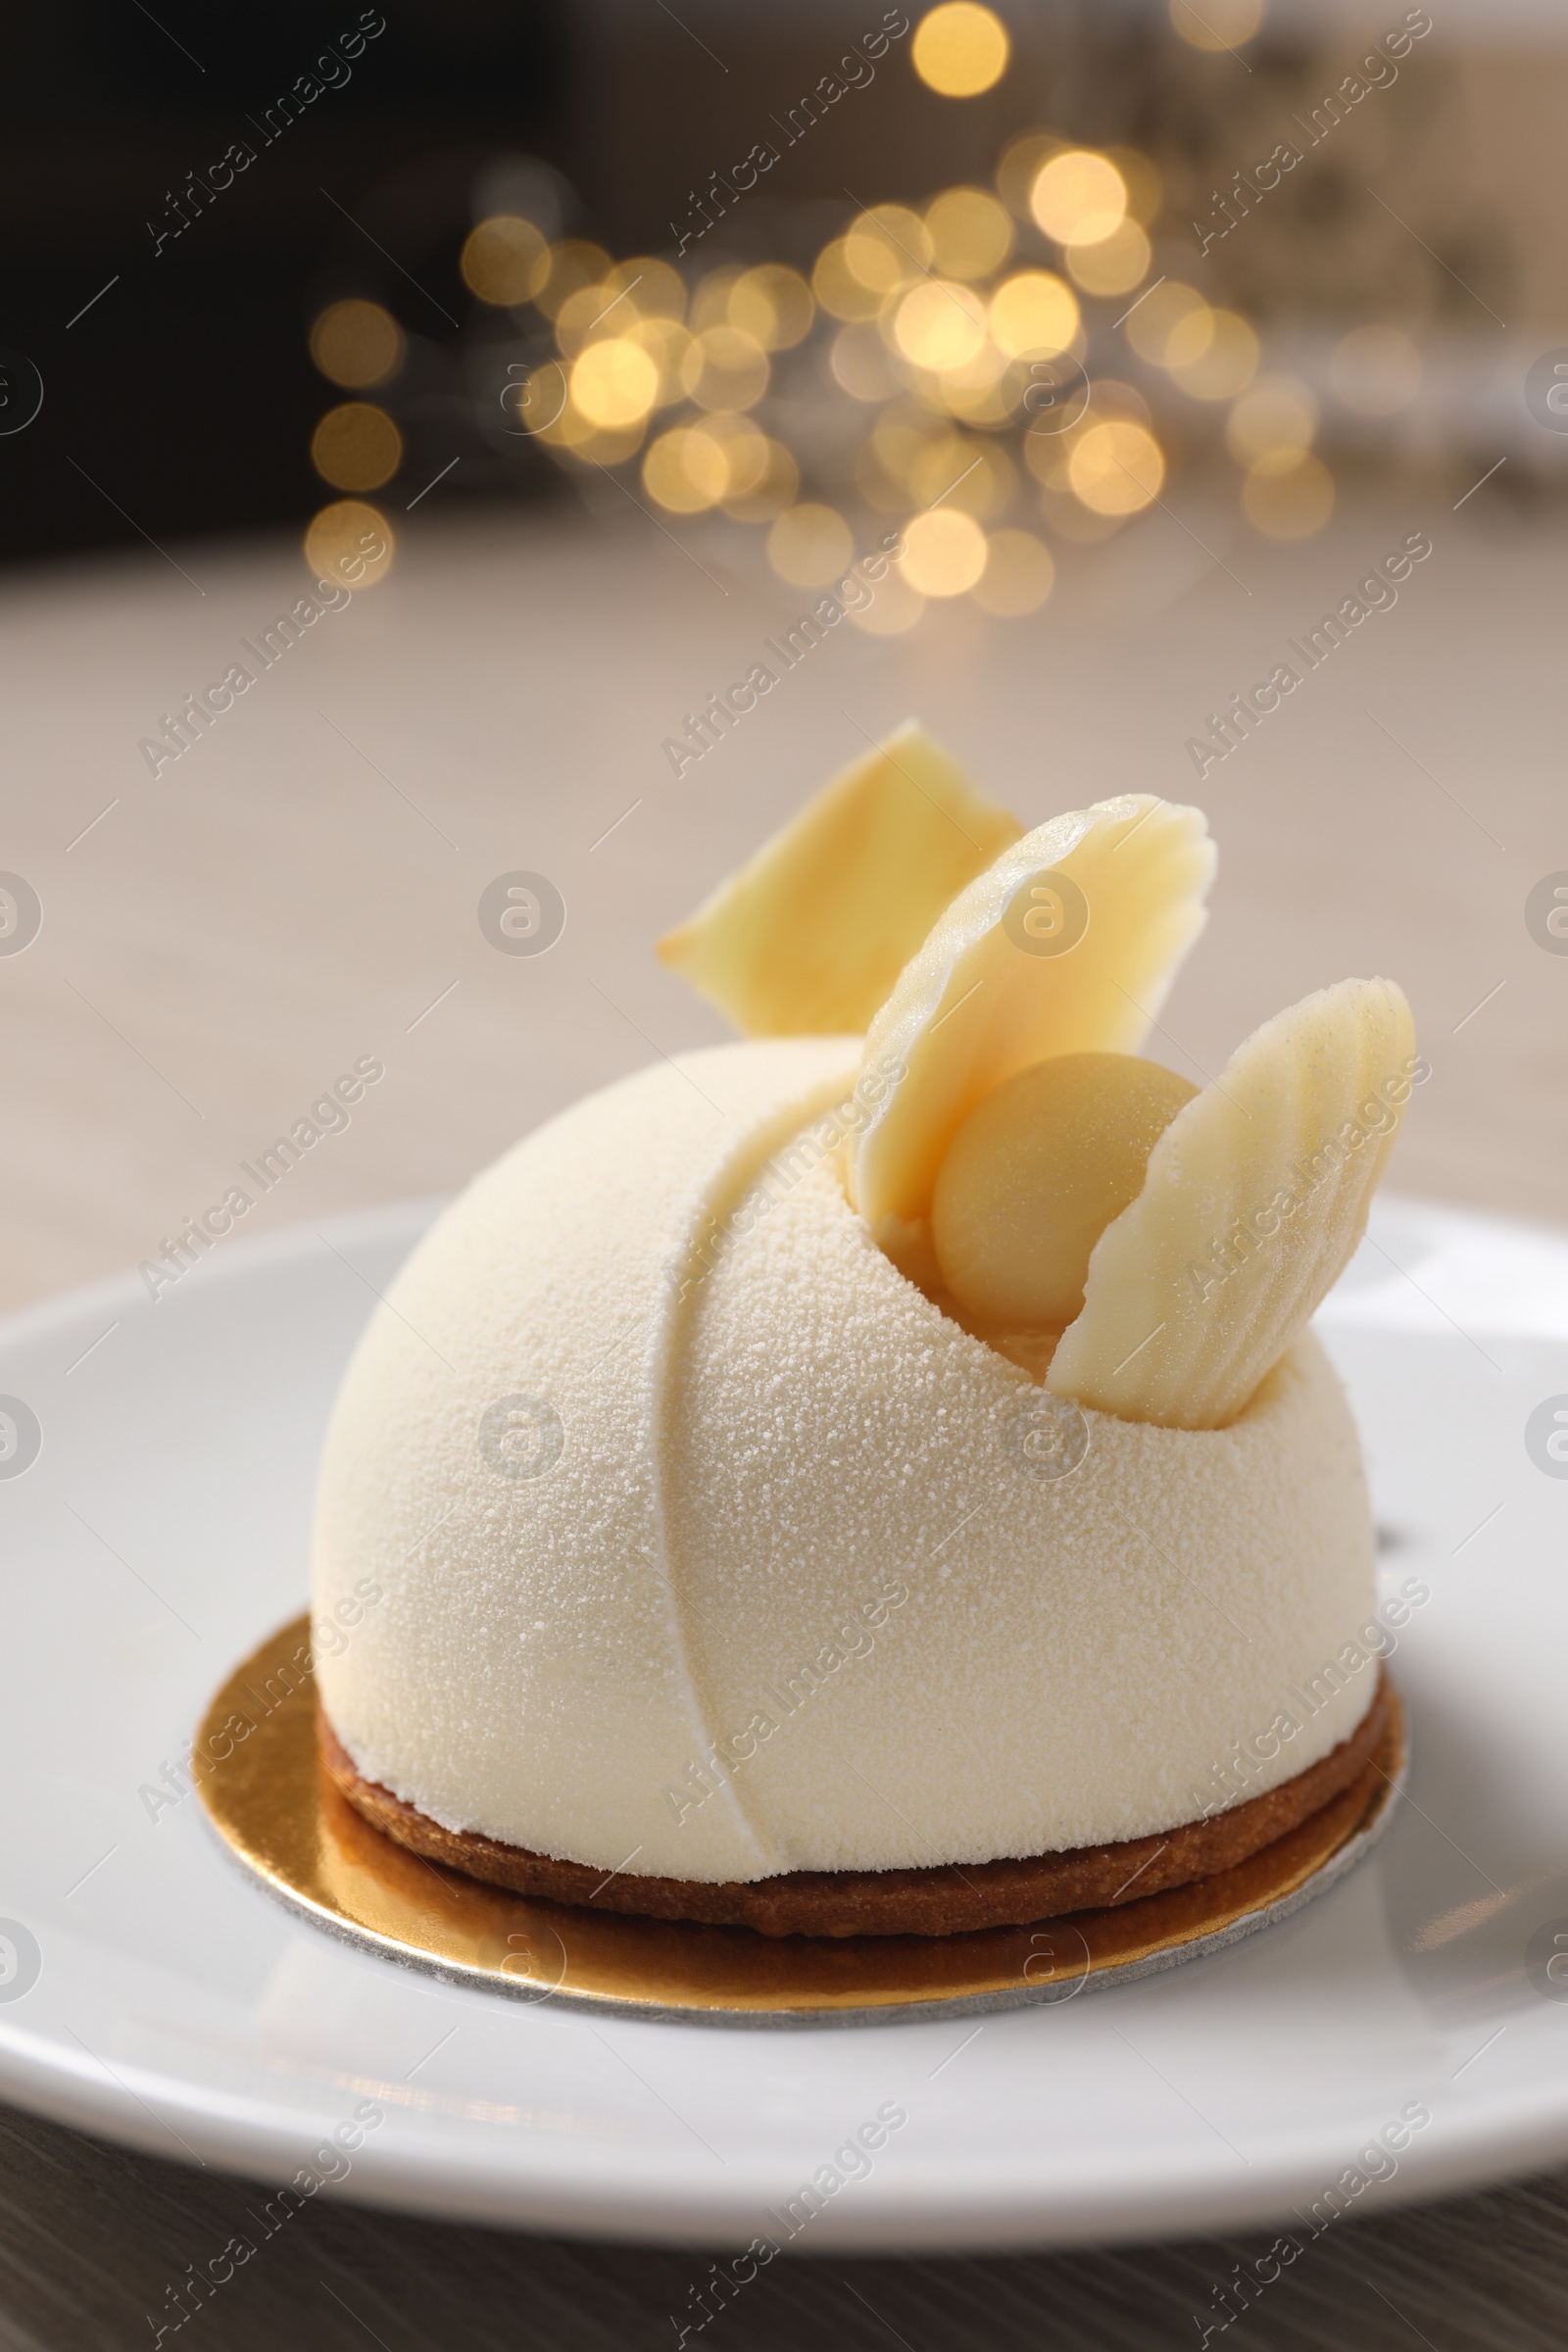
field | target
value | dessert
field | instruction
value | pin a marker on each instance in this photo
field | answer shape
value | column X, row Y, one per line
column 845, row 1483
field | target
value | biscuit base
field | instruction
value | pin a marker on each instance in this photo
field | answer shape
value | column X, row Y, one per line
column 951, row 1899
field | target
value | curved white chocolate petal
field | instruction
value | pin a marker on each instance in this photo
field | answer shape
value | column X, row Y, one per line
column 813, row 930
column 1255, row 1196
column 1021, row 968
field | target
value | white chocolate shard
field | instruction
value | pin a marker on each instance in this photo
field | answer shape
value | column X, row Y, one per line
column 1021, row 968
column 1255, row 1196
column 813, row 930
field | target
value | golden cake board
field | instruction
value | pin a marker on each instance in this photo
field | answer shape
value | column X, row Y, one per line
column 257, row 1768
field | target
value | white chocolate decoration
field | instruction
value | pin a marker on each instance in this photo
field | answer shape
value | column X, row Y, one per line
column 1252, row 1203
column 816, row 928
column 1066, row 945
column 1035, row 1175
column 710, row 1547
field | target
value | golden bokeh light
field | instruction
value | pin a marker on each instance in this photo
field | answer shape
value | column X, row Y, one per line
column 724, row 368
column 943, row 552
column 1018, row 576
column 1190, row 337
column 773, row 304
column 614, row 383
column 577, row 317
column 1032, row 314
column 574, row 263
column 837, row 288
column 666, row 344
column 594, row 444
column 1115, row 264
column 684, row 470
column 862, row 363
column 1021, row 162
column 1289, row 494
column 899, row 435
column 893, row 608
column 965, row 359
column 710, row 301
column 356, row 446
column 1078, row 197
column 809, row 545
column 885, row 247
column 357, row 344
column 1225, row 360
column 1169, row 312
column 505, row 261
column 970, row 233
column 1219, row 24
column 940, row 325
column 986, row 391
column 351, row 542
column 722, row 462
column 605, row 310
column 591, row 445
column 1112, row 398
column 1278, row 413
column 742, row 452
column 611, row 306
column 960, row 49
column 976, row 478
column 1376, row 371
column 1115, row 467
column 644, row 287
column 986, row 365
column 773, row 487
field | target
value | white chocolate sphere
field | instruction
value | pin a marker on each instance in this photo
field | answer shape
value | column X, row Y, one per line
column 654, row 1458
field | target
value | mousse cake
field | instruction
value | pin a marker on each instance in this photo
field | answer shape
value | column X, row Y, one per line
column 870, row 1477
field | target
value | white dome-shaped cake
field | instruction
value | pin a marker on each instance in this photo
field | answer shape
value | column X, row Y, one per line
column 710, row 1548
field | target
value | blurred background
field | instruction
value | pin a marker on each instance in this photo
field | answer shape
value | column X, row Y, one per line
column 800, row 269
column 589, row 347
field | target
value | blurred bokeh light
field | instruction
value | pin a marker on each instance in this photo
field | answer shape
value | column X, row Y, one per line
column 505, row 261
column 357, row 344
column 960, row 49
column 357, row 446
column 351, row 543
column 1220, row 24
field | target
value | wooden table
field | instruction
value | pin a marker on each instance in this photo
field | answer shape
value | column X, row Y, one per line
column 299, row 888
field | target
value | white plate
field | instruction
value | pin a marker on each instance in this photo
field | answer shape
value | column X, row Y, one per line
column 163, row 1530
